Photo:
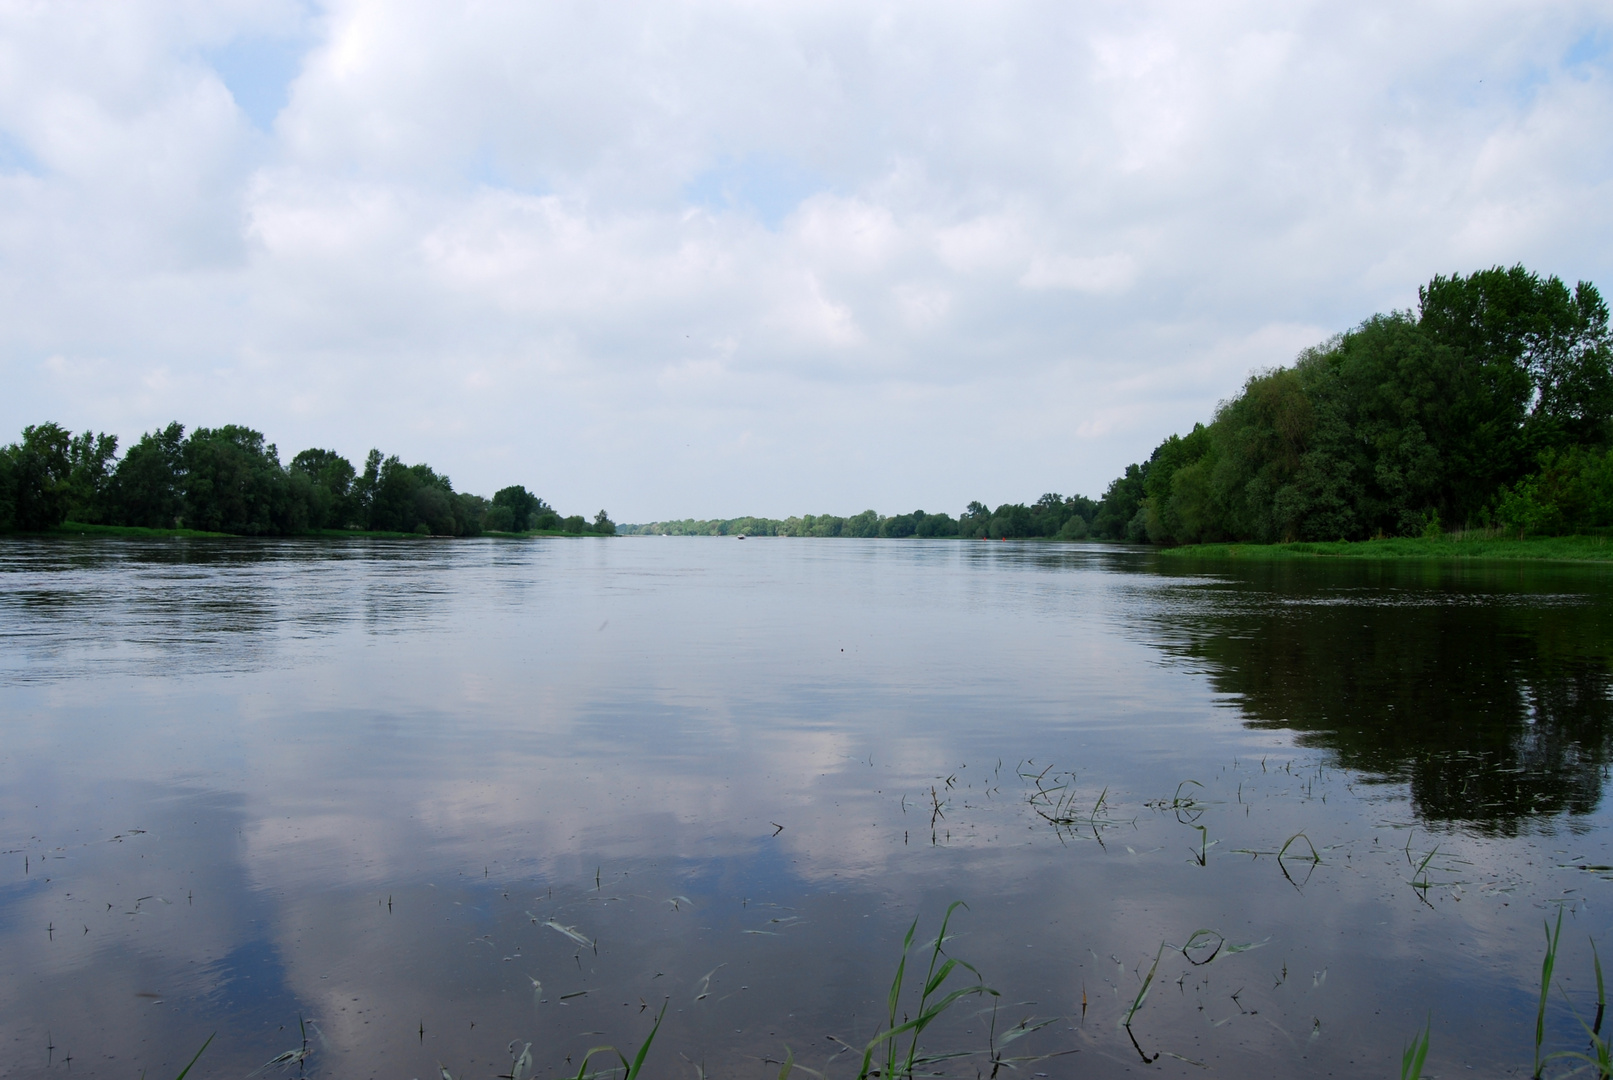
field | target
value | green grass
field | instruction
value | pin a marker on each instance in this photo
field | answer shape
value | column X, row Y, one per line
column 78, row 528
column 1550, row 548
column 1413, row 1056
column 929, row 1006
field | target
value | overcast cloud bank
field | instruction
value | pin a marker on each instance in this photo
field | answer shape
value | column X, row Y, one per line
column 706, row 259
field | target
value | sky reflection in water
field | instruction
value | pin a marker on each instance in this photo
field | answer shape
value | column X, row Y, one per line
column 352, row 782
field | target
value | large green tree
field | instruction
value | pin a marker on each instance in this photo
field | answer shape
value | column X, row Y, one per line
column 1406, row 423
column 147, row 486
column 234, row 484
column 38, row 472
column 332, row 502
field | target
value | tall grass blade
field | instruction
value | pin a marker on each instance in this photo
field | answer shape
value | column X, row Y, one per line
column 183, row 1072
column 939, row 970
column 1601, row 991
column 1547, row 965
column 1142, row 994
column 1411, row 1059
column 644, row 1048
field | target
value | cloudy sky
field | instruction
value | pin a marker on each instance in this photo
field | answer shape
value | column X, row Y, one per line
column 714, row 258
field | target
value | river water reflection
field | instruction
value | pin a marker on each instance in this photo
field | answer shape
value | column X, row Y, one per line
column 355, row 783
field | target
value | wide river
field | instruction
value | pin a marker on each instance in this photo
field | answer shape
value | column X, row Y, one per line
column 394, row 808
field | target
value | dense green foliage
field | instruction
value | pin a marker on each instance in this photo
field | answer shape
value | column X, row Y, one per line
column 229, row 480
column 1491, row 405
column 1050, row 516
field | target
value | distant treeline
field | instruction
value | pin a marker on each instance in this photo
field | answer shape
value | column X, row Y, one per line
column 229, row 480
column 1052, row 516
column 1491, row 406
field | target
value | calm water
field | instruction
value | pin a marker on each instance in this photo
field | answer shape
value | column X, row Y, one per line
column 244, row 783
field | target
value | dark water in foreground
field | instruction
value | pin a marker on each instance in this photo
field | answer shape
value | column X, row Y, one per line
column 245, row 783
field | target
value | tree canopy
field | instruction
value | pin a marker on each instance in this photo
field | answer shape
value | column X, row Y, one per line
column 230, row 480
column 1491, row 401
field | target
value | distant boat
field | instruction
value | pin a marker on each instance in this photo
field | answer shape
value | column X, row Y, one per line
column 742, row 536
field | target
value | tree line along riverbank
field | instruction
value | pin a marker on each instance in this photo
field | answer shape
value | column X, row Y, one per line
column 1489, row 408
column 1485, row 414
column 1481, row 421
column 229, row 481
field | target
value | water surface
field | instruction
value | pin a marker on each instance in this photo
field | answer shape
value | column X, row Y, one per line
column 353, row 782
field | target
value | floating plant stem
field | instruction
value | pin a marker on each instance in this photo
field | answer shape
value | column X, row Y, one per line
column 1142, row 992
column 1313, row 856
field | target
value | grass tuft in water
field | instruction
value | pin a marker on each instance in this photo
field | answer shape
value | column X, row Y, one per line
column 929, row 1007
column 635, row 1067
column 197, row 1057
column 290, row 1057
column 1411, row 1058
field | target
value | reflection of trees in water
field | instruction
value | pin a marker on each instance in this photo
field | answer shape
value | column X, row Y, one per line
column 1495, row 708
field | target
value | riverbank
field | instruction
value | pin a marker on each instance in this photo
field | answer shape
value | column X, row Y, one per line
column 1456, row 546
column 75, row 528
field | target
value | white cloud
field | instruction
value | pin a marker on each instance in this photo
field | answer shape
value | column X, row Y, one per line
column 716, row 257
column 1099, row 274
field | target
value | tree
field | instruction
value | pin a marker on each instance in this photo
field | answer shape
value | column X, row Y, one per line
column 865, row 524
column 91, row 461
column 8, row 490
column 414, row 498
column 1121, row 503
column 523, row 509
column 332, row 500
column 234, row 484
column 146, row 486
column 364, row 489
column 40, row 469
column 1405, row 421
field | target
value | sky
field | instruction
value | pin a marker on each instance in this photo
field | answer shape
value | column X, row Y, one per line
column 707, row 259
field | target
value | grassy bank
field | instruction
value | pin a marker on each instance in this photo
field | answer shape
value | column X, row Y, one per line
column 76, row 528
column 1455, row 546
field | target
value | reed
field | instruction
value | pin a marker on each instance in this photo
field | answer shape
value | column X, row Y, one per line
column 930, row 1006
column 1411, row 1058
column 194, row 1059
column 635, row 1067
column 1601, row 991
column 1547, row 965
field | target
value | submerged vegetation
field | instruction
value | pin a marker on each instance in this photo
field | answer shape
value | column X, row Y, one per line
column 228, row 480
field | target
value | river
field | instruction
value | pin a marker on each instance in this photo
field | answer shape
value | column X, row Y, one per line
column 390, row 808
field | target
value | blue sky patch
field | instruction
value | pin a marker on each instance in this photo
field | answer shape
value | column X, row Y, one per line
column 767, row 186
column 1592, row 48
column 16, row 157
column 258, row 72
